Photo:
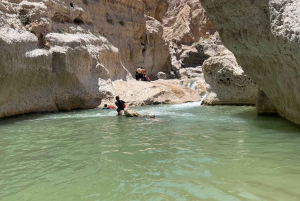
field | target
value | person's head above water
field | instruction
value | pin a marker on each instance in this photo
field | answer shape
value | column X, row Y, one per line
column 117, row 98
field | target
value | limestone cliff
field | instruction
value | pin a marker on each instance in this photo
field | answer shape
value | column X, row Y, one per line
column 186, row 22
column 264, row 37
column 59, row 55
column 195, row 47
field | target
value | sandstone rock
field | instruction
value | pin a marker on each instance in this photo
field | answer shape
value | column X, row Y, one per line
column 228, row 84
column 264, row 37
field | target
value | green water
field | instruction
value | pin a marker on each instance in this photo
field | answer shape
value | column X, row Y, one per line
column 187, row 153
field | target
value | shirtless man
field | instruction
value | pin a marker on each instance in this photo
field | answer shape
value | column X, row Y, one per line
column 139, row 73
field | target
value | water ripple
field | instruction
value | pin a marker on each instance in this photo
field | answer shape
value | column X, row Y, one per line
column 187, row 153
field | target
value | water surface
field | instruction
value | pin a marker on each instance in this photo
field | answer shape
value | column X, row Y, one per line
column 187, row 153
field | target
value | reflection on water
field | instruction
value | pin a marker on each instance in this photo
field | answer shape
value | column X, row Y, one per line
column 187, row 153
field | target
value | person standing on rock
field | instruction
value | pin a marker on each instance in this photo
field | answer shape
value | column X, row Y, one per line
column 120, row 105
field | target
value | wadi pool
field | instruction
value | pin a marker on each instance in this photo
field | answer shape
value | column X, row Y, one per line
column 188, row 152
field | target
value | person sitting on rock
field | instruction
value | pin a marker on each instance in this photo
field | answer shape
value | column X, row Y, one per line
column 120, row 105
column 139, row 73
column 144, row 72
column 108, row 107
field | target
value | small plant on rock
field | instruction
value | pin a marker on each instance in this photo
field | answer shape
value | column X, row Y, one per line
column 96, row 34
column 31, row 29
column 24, row 19
column 108, row 46
column 110, row 21
column 86, row 2
column 121, row 23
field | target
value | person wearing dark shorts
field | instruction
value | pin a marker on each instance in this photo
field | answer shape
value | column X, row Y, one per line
column 120, row 105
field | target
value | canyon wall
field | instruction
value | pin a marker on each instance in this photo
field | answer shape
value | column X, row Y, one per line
column 264, row 37
column 198, row 53
column 59, row 55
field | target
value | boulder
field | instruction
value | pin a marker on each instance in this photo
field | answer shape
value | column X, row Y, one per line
column 228, row 84
column 137, row 93
column 131, row 113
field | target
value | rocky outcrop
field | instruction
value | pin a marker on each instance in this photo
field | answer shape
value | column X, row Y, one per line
column 227, row 82
column 198, row 53
column 137, row 93
column 191, row 36
column 186, row 22
column 156, row 8
column 156, row 55
column 61, row 78
column 60, row 55
column 264, row 36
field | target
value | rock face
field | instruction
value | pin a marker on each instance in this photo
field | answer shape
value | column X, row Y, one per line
column 60, row 55
column 138, row 36
column 263, row 104
column 187, row 29
column 196, row 50
column 186, row 22
column 155, row 52
column 264, row 37
column 137, row 93
column 228, row 84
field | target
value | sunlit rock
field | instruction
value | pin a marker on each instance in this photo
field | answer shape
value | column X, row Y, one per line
column 264, row 37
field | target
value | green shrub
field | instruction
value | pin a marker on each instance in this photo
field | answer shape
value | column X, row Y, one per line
column 86, row 2
column 31, row 29
column 96, row 34
column 108, row 46
column 121, row 23
column 110, row 21
column 61, row 31
column 24, row 19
